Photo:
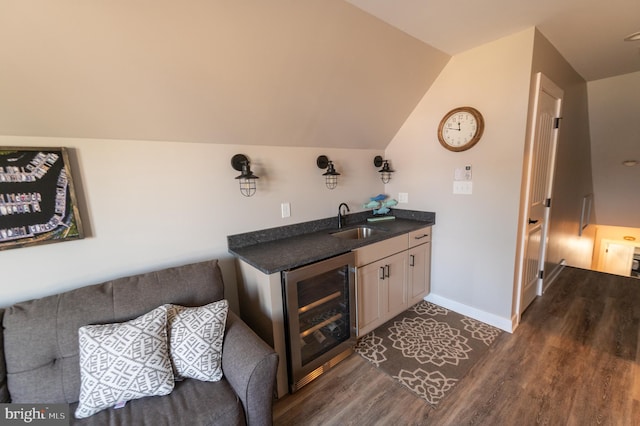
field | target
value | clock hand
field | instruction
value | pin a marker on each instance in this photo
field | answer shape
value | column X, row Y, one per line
column 453, row 128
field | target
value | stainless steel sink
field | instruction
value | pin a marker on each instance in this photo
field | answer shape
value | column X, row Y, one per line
column 357, row 233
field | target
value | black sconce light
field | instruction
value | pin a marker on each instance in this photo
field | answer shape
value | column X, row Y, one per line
column 385, row 171
column 331, row 176
column 246, row 179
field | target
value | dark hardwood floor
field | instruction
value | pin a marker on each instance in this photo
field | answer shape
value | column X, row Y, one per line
column 574, row 360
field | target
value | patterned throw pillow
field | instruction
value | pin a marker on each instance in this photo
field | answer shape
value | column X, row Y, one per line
column 195, row 340
column 125, row 361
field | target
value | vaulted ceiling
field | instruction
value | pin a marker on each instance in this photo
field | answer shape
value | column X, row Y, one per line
column 279, row 73
column 589, row 34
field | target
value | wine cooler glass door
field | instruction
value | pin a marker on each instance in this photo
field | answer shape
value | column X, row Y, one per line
column 320, row 315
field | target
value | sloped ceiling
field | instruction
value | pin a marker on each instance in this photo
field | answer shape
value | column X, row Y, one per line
column 589, row 34
column 288, row 73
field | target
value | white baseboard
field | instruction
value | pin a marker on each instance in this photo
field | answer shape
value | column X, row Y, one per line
column 506, row 324
column 553, row 275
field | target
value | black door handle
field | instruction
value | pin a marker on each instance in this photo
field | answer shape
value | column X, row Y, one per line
column 531, row 221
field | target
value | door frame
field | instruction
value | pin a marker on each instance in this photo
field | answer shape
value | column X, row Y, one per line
column 541, row 84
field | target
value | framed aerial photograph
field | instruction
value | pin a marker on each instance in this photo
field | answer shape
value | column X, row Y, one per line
column 37, row 199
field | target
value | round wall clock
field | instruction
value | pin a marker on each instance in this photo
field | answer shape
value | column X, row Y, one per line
column 461, row 128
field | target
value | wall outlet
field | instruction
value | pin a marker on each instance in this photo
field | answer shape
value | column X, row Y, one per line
column 403, row 197
column 285, row 209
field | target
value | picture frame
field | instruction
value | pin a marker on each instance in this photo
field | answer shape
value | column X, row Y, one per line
column 585, row 215
column 38, row 202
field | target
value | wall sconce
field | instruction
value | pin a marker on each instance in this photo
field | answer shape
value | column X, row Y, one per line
column 331, row 176
column 246, row 179
column 385, row 171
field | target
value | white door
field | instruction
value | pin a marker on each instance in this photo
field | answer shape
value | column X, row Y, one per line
column 540, row 164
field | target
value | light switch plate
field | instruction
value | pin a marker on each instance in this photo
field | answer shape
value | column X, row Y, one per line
column 285, row 209
column 403, row 197
column 464, row 187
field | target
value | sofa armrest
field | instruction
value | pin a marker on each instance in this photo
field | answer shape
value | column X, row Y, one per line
column 249, row 365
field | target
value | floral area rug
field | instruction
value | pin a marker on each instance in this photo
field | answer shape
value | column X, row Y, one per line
column 427, row 348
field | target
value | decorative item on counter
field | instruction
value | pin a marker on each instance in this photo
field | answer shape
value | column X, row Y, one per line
column 380, row 206
column 384, row 206
column 372, row 205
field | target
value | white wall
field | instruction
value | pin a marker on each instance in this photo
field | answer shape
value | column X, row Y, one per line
column 615, row 137
column 148, row 205
column 474, row 239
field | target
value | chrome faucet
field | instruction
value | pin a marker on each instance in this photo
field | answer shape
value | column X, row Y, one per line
column 340, row 217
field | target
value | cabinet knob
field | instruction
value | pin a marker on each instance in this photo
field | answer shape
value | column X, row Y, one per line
column 419, row 237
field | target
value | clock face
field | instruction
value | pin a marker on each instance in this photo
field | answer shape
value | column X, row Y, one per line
column 460, row 129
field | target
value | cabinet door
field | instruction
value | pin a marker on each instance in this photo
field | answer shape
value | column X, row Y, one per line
column 382, row 291
column 369, row 283
column 395, row 284
column 419, row 272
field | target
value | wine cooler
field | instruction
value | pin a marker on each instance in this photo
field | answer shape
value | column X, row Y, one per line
column 320, row 316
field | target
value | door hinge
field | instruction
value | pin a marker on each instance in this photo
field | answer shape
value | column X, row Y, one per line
column 547, row 202
column 556, row 122
column 541, row 274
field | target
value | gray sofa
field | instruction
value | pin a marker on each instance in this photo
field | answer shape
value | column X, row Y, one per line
column 39, row 352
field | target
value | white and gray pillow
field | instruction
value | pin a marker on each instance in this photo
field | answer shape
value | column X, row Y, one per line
column 195, row 340
column 122, row 362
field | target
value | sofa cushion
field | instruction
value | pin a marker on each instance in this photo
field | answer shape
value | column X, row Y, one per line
column 192, row 402
column 41, row 336
column 125, row 361
column 195, row 340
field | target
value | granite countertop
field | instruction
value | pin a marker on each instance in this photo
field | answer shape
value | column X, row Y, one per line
column 278, row 249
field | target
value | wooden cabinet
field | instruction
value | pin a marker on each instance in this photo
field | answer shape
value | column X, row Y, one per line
column 394, row 287
column 418, row 272
column 381, row 291
column 391, row 276
column 419, row 265
column 262, row 308
column 369, row 297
